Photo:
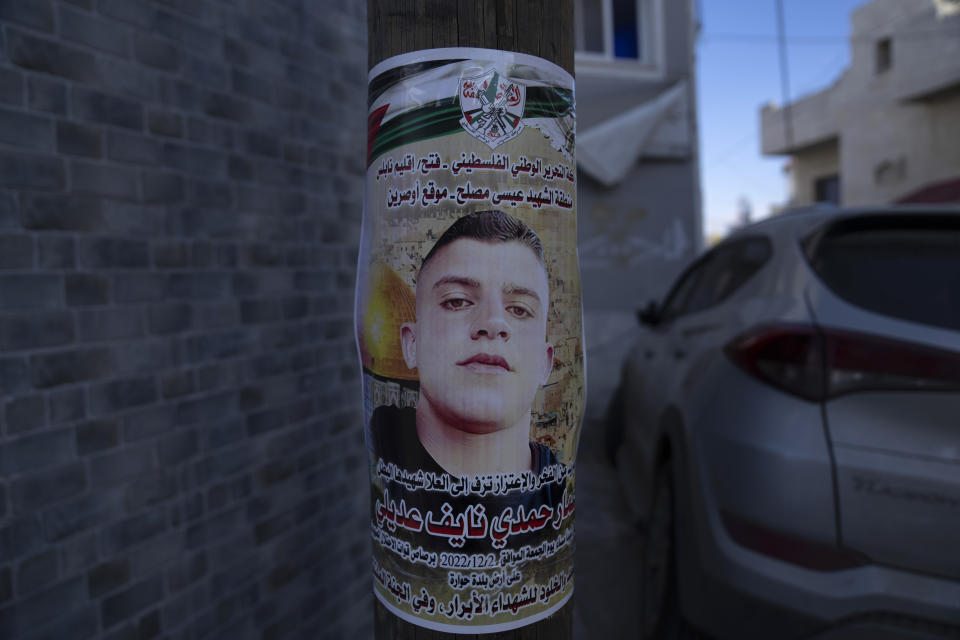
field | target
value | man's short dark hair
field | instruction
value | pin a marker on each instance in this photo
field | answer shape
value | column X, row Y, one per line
column 488, row 226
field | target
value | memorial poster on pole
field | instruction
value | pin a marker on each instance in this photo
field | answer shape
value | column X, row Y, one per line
column 469, row 331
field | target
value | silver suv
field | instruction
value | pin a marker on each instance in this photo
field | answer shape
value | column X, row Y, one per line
column 787, row 431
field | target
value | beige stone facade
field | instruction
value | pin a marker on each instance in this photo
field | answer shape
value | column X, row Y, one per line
column 890, row 125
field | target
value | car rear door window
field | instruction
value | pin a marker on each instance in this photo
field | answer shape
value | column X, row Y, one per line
column 733, row 266
column 905, row 267
column 676, row 302
column 717, row 276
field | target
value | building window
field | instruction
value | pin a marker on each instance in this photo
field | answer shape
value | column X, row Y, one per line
column 827, row 189
column 884, row 55
column 614, row 30
column 626, row 29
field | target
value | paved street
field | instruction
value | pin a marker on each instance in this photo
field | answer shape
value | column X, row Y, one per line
column 607, row 596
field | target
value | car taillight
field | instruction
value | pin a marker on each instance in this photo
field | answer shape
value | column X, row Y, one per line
column 787, row 357
column 818, row 364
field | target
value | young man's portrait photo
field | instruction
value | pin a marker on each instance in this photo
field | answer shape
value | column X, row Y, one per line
column 479, row 346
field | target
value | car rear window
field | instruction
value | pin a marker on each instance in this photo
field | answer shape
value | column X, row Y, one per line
column 905, row 267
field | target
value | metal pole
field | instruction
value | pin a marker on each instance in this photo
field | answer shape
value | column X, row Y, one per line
column 784, row 76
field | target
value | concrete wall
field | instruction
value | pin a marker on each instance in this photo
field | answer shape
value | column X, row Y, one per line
column 896, row 128
column 180, row 197
column 898, row 148
column 680, row 34
column 810, row 164
column 813, row 120
column 636, row 237
column 633, row 243
column 925, row 48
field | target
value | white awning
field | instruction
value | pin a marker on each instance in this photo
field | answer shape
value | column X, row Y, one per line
column 608, row 150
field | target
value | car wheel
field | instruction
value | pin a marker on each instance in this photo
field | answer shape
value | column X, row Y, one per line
column 613, row 426
column 660, row 614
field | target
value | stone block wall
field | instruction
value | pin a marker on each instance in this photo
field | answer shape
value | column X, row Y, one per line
column 180, row 201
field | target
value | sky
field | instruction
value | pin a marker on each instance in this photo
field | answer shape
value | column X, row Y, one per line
column 738, row 71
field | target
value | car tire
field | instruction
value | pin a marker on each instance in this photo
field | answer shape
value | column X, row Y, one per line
column 659, row 607
column 613, row 421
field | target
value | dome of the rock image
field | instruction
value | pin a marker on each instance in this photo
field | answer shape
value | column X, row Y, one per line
column 386, row 303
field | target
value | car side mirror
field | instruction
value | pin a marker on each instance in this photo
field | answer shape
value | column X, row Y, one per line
column 649, row 315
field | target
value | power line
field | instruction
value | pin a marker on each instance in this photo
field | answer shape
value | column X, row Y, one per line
column 737, row 148
column 784, row 77
column 742, row 144
column 818, row 80
column 765, row 38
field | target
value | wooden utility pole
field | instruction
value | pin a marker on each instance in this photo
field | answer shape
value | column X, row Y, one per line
column 542, row 28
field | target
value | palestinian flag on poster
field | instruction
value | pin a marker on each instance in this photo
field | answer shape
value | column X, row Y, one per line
column 442, row 97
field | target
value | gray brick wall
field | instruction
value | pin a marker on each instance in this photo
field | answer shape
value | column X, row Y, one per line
column 180, row 202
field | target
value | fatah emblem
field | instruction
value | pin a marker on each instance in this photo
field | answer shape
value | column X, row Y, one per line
column 492, row 107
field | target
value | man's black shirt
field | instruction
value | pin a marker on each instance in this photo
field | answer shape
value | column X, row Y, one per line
column 394, row 439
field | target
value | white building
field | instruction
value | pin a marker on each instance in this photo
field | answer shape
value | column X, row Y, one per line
column 637, row 153
column 888, row 129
